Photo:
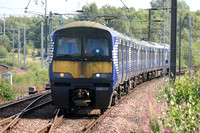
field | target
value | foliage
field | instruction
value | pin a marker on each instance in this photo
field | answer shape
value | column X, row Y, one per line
column 5, row 41
column 130, row 22
column 34, row 75
column 159, row 4
column 3, row 51
column 135, row 24
column 8, row 60
column 6, row 92
column 183, row 106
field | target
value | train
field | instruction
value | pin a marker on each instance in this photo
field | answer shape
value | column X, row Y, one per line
column 93, row 65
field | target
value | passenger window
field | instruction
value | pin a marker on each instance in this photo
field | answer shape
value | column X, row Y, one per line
column 68, row 46
column 97, row 46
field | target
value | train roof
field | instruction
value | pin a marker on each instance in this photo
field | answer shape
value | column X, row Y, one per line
column 112, row 32
column 84, row 24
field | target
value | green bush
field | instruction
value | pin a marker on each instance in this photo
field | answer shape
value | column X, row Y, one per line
column 34, row 76
column 6, row 91
column 183, row 106
column 3, row 51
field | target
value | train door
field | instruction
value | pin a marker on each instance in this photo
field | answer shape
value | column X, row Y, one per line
column 130, row 59
column 127, row 59
column 124, row 59
column 120, row 61
column 162, row 57
column 138, row 60
column 157, row 57
column 115, row 54
column 141, row 58
column 152, row 57
column 146, row 56
column 135, row 59
column 159, row 61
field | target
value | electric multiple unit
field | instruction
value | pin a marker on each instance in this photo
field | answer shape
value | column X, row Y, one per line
column 93, row 65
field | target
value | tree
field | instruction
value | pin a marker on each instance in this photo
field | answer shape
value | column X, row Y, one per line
column 183, row 5
column 5, row 42
column 159, row 4
column 3, row 51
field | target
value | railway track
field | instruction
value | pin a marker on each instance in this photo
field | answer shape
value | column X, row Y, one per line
column 93, row 120
column 20, row 101
column 10, row 122
column 59, row 121
column 89, row 128
column 88, row 123
column 3, row 69
column 54, row 122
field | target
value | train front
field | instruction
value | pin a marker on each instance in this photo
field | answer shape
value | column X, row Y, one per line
column 81, row 69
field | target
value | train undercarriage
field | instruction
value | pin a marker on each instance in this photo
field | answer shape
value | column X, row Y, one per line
column 124, row 88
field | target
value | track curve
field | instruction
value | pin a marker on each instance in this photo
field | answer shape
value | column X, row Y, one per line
column 3, row 69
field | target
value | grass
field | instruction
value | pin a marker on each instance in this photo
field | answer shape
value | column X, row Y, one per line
column 33, row 75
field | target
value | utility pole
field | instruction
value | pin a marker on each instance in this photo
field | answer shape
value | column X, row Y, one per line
column 50, row 31
column 24, row 46
column 46, row 43
column 149, row 35
column 1, row 32
column 4, row 24
column 13, row 46
column 19, row 46
column 190, row 45
column 164, row 46
column 60, row 20
column 50, row 28
column 169, row 37
column 173, row 40
column 180, row 47
column 42, row 54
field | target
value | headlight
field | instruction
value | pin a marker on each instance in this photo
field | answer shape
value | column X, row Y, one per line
column 62, row 75
column 102, row 75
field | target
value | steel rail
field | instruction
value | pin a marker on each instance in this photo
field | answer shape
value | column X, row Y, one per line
column 95, row 123
column 49, row 127
column 21, row 100
column 9, row 119
column 3, row 68
column 15, row 118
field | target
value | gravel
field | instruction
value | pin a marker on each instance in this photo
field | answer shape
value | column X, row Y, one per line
column 130, row 115
column 133, row 113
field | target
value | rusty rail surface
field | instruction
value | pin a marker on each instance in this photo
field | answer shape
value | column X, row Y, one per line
column 54, row 122
column 12, row 120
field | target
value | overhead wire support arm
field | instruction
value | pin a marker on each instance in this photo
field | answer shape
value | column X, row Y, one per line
column 125, row 6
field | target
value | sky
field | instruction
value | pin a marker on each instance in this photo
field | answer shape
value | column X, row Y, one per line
column 17, row 7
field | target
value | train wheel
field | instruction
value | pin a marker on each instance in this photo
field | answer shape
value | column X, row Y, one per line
column 67, row 111
column 119, row 92
column 128, row 85
column 134, row 83
column 119, row 95
column 114, row 100
column 103, row 110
